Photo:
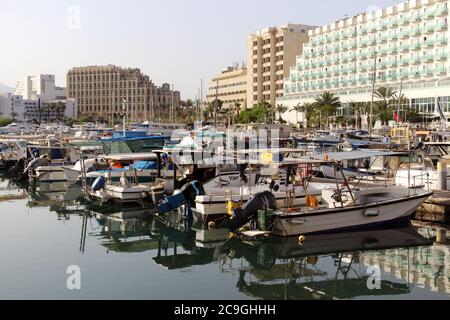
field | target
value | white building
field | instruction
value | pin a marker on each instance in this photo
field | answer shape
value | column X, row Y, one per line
column 38, row 86
column 409, row 42
column 37, row 110
column 37, row 98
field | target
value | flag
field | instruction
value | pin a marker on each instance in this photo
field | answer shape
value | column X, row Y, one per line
column 397, row 117
column 441, row 111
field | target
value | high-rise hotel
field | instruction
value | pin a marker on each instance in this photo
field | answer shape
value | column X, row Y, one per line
column 271, row 51
column 104, row 92
column 407, row 44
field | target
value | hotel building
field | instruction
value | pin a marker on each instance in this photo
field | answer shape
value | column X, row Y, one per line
column 407, row 45
column 230, row 87
column 103, row 92
column 271, row 52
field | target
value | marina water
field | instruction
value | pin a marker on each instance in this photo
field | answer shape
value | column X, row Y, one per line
column 127, row 254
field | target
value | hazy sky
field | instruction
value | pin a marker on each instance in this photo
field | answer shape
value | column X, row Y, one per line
column 175, row 41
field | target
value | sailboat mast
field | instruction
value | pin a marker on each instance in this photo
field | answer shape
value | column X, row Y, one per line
column 373, row 94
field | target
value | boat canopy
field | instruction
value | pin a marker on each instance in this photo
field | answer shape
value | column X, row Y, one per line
column 131, row 156
column 357, row 154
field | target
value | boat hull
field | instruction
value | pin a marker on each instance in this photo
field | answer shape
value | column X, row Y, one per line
column 49, row 175
column 349, row 219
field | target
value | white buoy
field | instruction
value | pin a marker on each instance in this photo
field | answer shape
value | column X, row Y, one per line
column 211, row 225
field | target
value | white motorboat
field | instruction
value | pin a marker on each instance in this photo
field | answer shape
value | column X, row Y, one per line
column 213, row 205
column 373, row 207
column 342, row 207
column 124, row 192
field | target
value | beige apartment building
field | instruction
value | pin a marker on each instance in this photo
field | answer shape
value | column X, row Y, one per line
column 230, row 87
column 104, row 92
column 271, row 53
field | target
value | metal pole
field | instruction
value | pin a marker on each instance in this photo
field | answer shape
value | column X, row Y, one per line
column 215, row 105
column 373, row 93
column 124, row 111
column 399, row 102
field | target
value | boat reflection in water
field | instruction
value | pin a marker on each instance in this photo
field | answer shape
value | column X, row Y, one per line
column 324, row 267
column 60, row 197
column 125, row 229
column 334, row 266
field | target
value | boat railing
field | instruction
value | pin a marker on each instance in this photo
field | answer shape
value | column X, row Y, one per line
column 421, row 176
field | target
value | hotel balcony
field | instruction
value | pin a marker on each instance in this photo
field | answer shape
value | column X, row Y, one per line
column 429, row 15
column 429, row 73
column 442, row 56
column 441, row 71
column 405, row 34
column 392, row 64
column 429, row 58
column 393, row 37
column 416, row 17
column 404, row 20
column 441, row 11
column 392, row 50
column 416, row 32
column 441, row 41
column 441, row 26
column 416, row 46
column 415, row 60
column 429, row 29
column 393, row 23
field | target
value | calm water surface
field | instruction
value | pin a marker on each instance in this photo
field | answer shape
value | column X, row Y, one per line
column 127, row 254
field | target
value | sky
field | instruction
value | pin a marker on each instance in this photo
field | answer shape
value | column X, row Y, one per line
column 174, row 41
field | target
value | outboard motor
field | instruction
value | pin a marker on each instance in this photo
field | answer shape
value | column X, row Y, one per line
column 186, row 196
column 260, row 201
column 99, row 183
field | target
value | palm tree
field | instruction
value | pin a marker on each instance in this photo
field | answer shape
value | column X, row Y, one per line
column 236, row 111
column 359, row 109
column 386, row 96
column 298, row 108
column 13, row 115
column 309, row 113
column 402, row 101
column 328, row 104
column 281, row 109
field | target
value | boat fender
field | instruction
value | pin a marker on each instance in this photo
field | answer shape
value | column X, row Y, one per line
column 98, row 184
column 301, row 240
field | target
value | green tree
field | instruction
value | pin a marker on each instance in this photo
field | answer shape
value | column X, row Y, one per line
column 359, row 109
column 281, row 109
column 299, row 108
column 383, row 110
column 257, row 114
column 328, row 104
column 13, row 115
column 5, row 121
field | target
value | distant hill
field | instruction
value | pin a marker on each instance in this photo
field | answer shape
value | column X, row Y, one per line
column 5, row 88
